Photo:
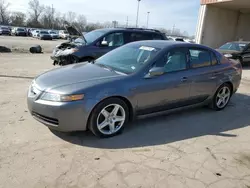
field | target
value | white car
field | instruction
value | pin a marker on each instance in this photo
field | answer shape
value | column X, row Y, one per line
column 63, row 34
column 35, row 33
column 53, row 34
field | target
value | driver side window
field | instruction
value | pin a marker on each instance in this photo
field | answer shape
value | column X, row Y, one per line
column 114, row 39
column 173, row 60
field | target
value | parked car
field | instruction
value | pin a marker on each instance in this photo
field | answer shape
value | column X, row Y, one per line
column 53, row 34
column 96, row 43
column 44, row 35
column 63, row 34
column 239, row 50
column 176, row 39
column 35, row 33
column 137, row 79
column 19, row 31
column 4, row 30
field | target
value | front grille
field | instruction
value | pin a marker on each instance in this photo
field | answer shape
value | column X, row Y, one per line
column 46, row 119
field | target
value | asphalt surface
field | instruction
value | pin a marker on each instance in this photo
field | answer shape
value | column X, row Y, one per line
column 194, row 148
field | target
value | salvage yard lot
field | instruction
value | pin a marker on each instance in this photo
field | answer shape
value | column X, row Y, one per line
column 194, row 148
column 23, row 44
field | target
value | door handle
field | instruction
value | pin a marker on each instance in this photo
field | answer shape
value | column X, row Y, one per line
column 184, row 79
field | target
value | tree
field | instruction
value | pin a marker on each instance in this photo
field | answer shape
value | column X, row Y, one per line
column 17, row 19
column 47, row 18
column 4, row 14
column 70, row 17
column 81, row 22
column 36, row 9
column 185, row 34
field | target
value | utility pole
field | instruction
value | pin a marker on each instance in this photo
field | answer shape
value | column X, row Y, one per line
column 148, row 19
column 127, row 22
column 138, row 8
column 173, row 29
column 52, row 19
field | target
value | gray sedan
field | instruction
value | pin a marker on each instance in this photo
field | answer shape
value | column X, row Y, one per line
column 137, row 79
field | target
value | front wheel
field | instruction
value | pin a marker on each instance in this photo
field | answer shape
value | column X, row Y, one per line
column 221, row 97
column 109, row 118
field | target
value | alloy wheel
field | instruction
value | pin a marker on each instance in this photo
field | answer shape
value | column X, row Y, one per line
column 111, row 119
column 223, row 97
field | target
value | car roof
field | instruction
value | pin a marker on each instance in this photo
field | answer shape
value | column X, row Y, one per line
column 129, row 29
column 162, row 44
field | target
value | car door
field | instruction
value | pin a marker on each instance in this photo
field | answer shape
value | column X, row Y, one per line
column 167, row 91
column 203, row 74
column 246, row 54
column 109, row 42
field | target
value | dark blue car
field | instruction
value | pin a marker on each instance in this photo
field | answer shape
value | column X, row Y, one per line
column 96, row 43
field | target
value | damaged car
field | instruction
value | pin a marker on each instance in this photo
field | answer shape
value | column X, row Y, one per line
column 94, row 44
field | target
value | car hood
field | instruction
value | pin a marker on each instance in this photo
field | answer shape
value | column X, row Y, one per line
column 73, row 31
column 72, row 74
column 228, row 51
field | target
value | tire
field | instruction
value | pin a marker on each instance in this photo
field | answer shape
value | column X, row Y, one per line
column 221, row 95
column 106, row 107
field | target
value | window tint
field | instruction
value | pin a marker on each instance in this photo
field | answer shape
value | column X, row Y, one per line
column 248, row 49
column 214, row 59
column 157, row 37
column 199, row 58
column 140, row 36
column 174, row 60
column 114, row 39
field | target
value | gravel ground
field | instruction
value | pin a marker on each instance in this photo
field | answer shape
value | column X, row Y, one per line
column 195, row 148
column 23, row 44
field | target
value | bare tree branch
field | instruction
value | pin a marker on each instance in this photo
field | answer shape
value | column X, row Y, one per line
column 36, row 9
column 4, row 14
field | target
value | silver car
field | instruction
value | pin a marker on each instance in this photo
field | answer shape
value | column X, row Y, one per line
column 134, row 80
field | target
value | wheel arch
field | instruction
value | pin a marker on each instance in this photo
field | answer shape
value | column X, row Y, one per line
column 86, row 58
column 124, row 99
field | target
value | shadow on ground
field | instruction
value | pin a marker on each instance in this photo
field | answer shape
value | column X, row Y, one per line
column 172, row 127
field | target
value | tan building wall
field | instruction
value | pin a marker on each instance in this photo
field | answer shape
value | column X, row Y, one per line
column 204, row 2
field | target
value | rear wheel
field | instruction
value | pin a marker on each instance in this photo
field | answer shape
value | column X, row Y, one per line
column 109, row 118
column 221, row 97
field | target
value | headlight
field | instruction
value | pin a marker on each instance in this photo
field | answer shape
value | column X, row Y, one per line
column 61, row 98
column 75, row 49
column 228, row 55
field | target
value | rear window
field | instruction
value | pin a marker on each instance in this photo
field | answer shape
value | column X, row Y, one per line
column 44, row 32
column 140, row 36
column 20, row 29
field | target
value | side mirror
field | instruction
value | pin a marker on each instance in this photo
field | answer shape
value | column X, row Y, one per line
column 104, row 43
column 155, row 71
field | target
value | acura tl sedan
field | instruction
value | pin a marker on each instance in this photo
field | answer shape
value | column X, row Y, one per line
column 137, row 79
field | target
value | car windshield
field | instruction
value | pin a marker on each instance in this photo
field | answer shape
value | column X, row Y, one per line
column 93, row 35
column 79, row 41
column 233, row 46
column 51, row 32
column 44, row 32
column 20, row 29
column 128, row 59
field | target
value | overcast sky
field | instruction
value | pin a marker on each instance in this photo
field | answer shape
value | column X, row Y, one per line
column 164, row 13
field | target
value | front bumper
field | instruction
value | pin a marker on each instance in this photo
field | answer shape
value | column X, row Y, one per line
column 61, row 116
column 5, row 33
column 21, row 34
column 46, row 37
